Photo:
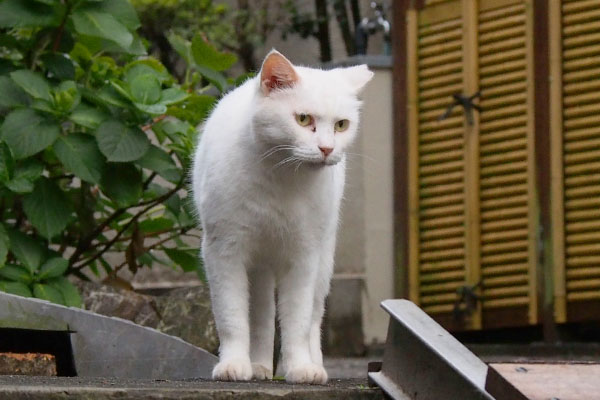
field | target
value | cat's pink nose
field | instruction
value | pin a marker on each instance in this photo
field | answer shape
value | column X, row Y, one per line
column 326, row 150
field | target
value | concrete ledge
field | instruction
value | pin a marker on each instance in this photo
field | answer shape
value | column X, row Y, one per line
column 58, row 388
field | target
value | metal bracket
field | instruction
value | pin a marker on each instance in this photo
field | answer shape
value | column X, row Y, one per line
column 466, row 102
column 422, row 361
column 109, row 347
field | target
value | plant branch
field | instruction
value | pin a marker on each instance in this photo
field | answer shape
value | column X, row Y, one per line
column 150, row 204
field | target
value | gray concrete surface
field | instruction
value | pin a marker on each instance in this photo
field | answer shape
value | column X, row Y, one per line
column 58, row 388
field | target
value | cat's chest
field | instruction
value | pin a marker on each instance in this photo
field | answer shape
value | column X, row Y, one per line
column 300, row 202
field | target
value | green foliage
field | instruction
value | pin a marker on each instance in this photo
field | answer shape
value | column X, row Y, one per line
column 95, row 144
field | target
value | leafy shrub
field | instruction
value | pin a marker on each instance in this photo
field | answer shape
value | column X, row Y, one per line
column 95, row 144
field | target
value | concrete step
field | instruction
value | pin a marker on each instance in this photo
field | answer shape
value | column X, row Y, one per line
column 57, row 388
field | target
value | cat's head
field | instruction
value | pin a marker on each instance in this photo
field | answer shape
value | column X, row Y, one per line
column 311, row 114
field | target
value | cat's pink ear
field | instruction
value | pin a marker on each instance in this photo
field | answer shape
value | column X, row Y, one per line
column 357, row 76
column 277, row 72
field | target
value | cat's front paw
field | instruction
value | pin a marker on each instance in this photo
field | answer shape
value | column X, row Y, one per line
column 261, row 372
column 307, row 373
column 233, row 369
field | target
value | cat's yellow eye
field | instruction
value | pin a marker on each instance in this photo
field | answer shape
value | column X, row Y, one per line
column 341, row 125
column 303, row 119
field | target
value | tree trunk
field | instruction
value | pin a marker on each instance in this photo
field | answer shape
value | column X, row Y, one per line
column 341, row 14
column 323, row 30
column 355, row 8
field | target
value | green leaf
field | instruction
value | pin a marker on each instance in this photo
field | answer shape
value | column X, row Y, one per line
column 68, row 291
column 216, row 78
column 206, row 55
column 182, row 47
column 173, row 95
column 106, row 96
column 88, row 117
column 80, row 155
column 4, row 245
column 16, row 273
column 26, row 132
column 26, row 249
column 155, row 225
column 145, row 89
column 148, row 66
column 12, row 94
column 59, row 66
column 32, row 83
column 186, row 259
column 153, row 109
column 26, row 13
column 18, row 288
column 47, row 208
column 25, row 175
column 7, row 163
column 122, row 183
column 194, row 110
column 159, row 161
column 120, row 143
column 122, row 10
column 66, row 96
column 53, row 268
column 102, row 25
column 47, row 292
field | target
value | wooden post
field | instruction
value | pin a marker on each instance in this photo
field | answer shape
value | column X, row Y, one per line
column 533, row 206
column 412, row 110
column 556, row 162
column 470, row 12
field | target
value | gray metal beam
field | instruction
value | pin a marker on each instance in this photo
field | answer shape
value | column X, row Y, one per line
column 423, row 361
column 109, row 347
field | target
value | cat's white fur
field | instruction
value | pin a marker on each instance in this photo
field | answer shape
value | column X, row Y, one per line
column 269, row 199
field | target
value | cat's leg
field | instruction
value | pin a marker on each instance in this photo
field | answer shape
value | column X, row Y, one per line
column 262, row 322
column 229, row 295
column 295, row 294
column 321, row 290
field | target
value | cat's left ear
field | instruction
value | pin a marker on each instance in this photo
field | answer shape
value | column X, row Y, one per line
column 357, row 76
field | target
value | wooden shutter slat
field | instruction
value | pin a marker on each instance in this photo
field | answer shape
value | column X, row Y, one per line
column 441, row 287
column 503, row 192
column 442, row 276
column 515, row 223
column 571, row 204
column 434, row 137
column 502, row 303
column 506, row 157
column 578, row 6
column 574, row 16
column 575, row 273
column 515, row 87
column 443, row 232
column 440, row 93
column 504, row 212
column 505, row 269
column 440, row 70
column 500, row 248
column 444, row 265
column 502, row 79
column 509, row 280
column 583, row 295
column 503, row 202
column 442, row 244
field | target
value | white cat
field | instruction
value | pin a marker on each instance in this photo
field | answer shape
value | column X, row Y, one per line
column 268, row 178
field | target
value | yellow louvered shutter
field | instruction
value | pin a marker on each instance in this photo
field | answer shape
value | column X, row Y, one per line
column 439, row 162
column 472, row 222
column 578, row 268
column 508, row 220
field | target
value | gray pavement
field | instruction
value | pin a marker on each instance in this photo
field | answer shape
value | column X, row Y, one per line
column 58, row 388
